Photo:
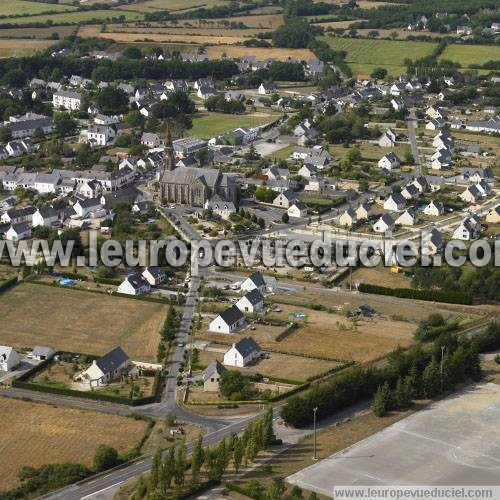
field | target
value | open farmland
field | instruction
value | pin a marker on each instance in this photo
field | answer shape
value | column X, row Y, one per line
column 24, row 8
column 206, row 125
column 15, row 47
column 471, row 54
column 76, row 17
column 364, row 55
column 47, row 434
column 260, row 53
column 150, row 6
column 78, row 321
column 175, row 37
column 41, row 33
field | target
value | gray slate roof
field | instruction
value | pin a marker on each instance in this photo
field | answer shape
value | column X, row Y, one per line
column 112, row 360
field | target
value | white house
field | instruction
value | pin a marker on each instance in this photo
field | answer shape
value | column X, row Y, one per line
column 432, row 242
column 383, row 224
column 18, row 232
column 434, row 208
column 66, row 99
column 84, row 208
column 387, row 139
column 298, row 209
column 285, row 199
column 254, row 281
column 266, row 88
column 348, row 218
column 9, row 358
column 243, row 353
column 154, row 275
column 111, row 367
column 134, row 284
column 363, row 212
column 493, row 215
column 407, row 218
column 472, row 195
column 45, row 216
column 220, row 207
column 42, row 353
column 410, row 192
column 252, row 301
column 307, row 170
column 395, row 202
column 229, row 321
column 389, row 161
column 90, row 189
column 468, row 229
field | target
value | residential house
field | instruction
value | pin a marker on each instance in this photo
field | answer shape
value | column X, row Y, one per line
column 307, row 171
column 66, row 99
column 363, row 212
column 150, row 140
column 472, row 195
column 432, row 242
column 267, row 88
column 252, row 301
column 154, row 275
column 110, row 368
column 389, row 161
column 387, row 139
column 19, row 231
column 220, row 207
column 285, row 199
column 134, row 284
column 212, row 375
column 493, row 215
column 297, row 209
column 410, row 192
column 254, row 281
column 348, row 218
column 229, row 321
column 395, row 202
column 468, row 229
column 434, row 208
column 45, row 216
column 42, row 353
column 18, row 215
column 407, row 218
column 9, row 358
column 243, row 353
column 383, row 224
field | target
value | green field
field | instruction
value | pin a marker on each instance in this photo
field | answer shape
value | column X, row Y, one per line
column 207, row 125
column 75, row 17
column 23, row 8
column 363, row 55
column 471, row 54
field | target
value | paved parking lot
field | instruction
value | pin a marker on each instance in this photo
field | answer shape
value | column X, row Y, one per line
column 453, row 442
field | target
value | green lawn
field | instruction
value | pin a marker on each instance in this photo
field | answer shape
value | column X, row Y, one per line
column 207, row 125
column 76, row 17
column 23, row 8
column 363, row 55
column 471, row 54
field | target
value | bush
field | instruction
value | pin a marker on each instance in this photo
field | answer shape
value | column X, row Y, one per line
column 105, row 457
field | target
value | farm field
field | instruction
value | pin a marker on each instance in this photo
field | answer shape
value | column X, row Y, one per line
column 380, row 276
column 173, row 37
column 171, row 5
column 62, row 31
column 334, row 336
column 259, row 52
column 77, row 17
column 23, row 8
column 184, row 30
column 48, row 434
column 471, row 54
column 206, row 125
column 14, row 47
column 78, row 321
column 90, row 31
column 363, row 55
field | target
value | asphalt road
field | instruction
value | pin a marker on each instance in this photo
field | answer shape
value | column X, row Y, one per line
column 412, row 126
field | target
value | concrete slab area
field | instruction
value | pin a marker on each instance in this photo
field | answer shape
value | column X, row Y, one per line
column 453, row 442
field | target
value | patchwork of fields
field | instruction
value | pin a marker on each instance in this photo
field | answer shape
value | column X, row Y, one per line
column 24, row 8
column 471, row 54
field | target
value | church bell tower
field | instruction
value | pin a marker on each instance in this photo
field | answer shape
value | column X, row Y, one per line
column 169, row 157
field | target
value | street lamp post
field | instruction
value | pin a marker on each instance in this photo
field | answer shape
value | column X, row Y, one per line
column 315, row 409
